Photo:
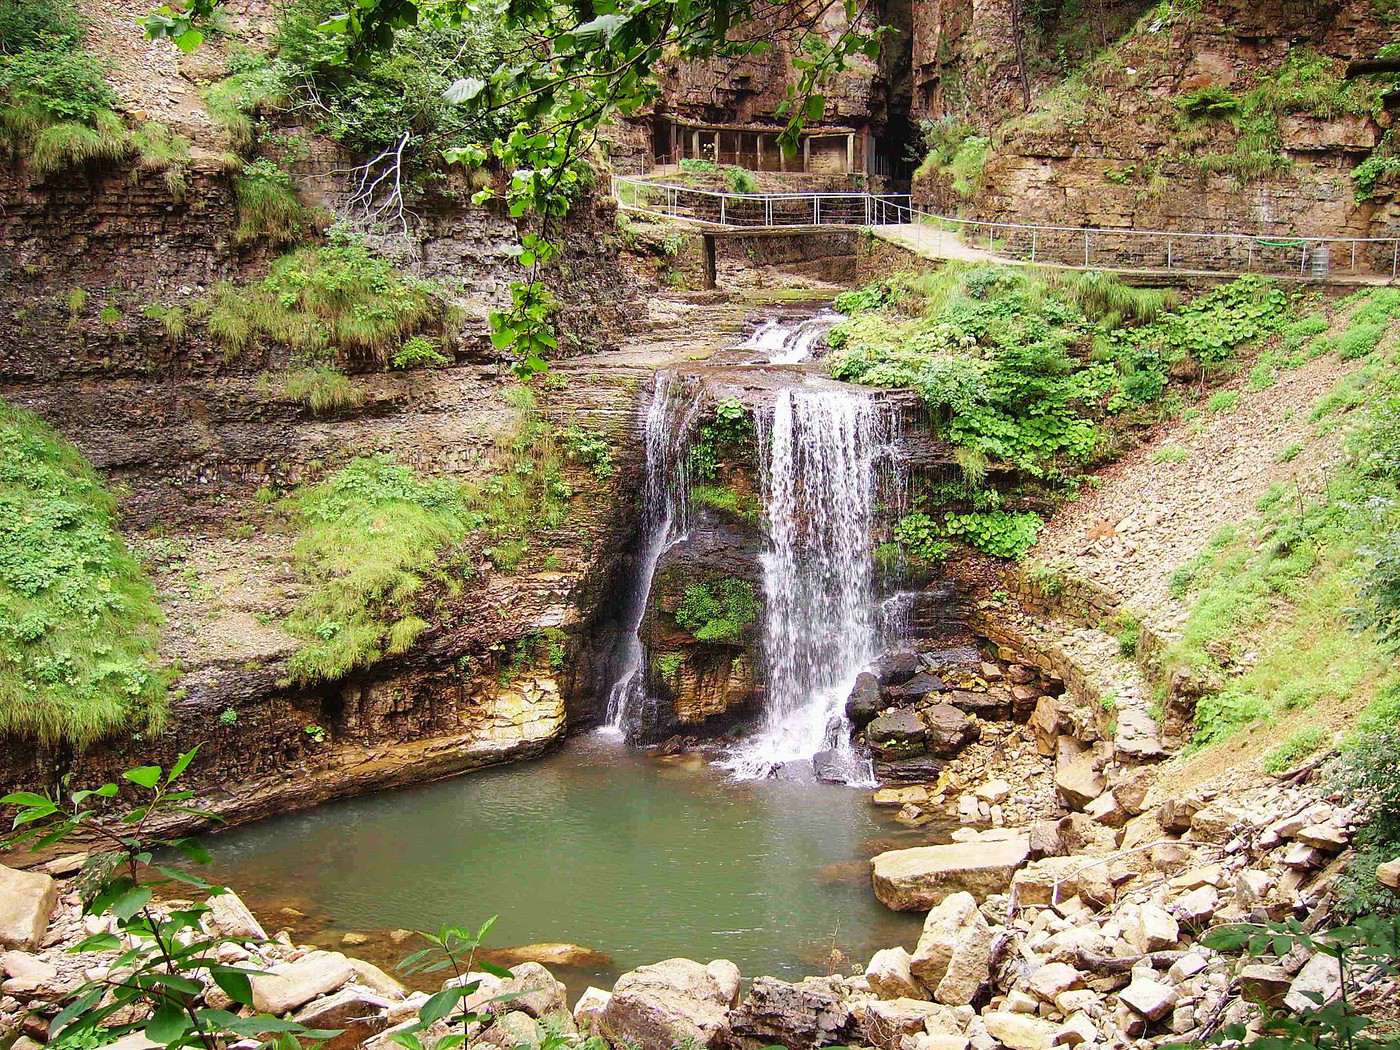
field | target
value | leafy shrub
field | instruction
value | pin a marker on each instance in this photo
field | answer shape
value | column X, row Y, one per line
column 337, row 301
column 920, row 537
column 739, row 180
column 1212, row 102
column 323, row 390
column 1368, row 176
column 38, row 25
column 669, row 665
column 268, row 208
column 59, row 85
column 419, row 352
column 1223, row 401
column 697, row 166
column 729, row 428
column 969, row 165
column 78, row 617
column 1002, row 534
column 369, row 101
column 590, row 448
column 719, row 611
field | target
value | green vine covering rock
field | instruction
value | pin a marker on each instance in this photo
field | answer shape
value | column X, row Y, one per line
column 78, row 616
column 728, row 430
column 719, row 611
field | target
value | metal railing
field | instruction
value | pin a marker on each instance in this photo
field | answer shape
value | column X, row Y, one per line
column 1080, row 247
column 754, row 210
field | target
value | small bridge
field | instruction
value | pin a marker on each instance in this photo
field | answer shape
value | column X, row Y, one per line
column 893, row 217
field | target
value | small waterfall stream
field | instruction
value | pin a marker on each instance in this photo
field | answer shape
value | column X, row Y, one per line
column 782, row 341
column 665, row 518
column 822, row 623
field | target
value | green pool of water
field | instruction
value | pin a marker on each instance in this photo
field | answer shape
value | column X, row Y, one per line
column 635, row 856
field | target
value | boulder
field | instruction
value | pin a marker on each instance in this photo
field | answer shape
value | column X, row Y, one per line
column 1019, row 1031
column 897, row 734
column 295, row 984
column 1317, row 984
column 953, row 956
column 671, row 1003
column 376, row 980
column 358, row 1015
column 27, row 900
column 1148, row 998
column 889, row 976
column 529, row 988
column 1197, row 907
column 986, row 705
column 1045, row 723
column 1054, row 979
column 230, row 917
column 590, row 1007
column 551, row 953
column 1326, row 836
column 993, row 792
column 1137, row 738
column 864, row 702
column 1106, row 810
column 1054, row 879
column 515, row 1030
column 1150, row 928
column 886, row 1024
column 1388, row 874
column 1265, row 983
column 916, row 770
column 896, row 666
column 22, row 966
column 921, row 685
column 801, row 1016
column 917, row 879
column 949, row 730
column 1077, row 782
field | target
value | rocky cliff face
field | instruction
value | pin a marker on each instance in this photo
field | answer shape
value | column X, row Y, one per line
column 196, row 442
column 1114, row 140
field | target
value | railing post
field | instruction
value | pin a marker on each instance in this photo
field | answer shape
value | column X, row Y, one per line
column 1169, row 253
column 1034, row 235
column 1086, row 247
column 816, row 210
column 1353, row 256
column 1394, row 257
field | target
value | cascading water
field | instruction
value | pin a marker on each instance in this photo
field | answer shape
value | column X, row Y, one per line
column 822, row 626
column 665, row 518
column 781, row 342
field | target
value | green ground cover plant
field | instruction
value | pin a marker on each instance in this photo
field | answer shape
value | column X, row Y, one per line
column 78, row 616
column 718, row 611
column 744, row 506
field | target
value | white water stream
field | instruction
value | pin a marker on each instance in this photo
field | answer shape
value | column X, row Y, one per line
column 665, row 518
column 821, row 623
column 782, row 341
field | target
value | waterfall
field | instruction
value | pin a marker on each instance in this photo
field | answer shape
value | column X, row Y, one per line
column 665, row 518
column 781, row 342
column 822, row 626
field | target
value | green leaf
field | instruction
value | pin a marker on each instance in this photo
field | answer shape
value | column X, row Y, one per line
column 143, row 776
column 25, row 798
column 189, row 40
column 181, row 764
column 816, row 107
column 167, row 1024
column 465, row 89
column 131, row 902
column 440, row 1005
column 234, row 983
column 98, row 942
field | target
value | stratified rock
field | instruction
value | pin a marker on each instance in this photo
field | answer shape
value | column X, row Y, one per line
column 358, row 1015
column 801, row 1016
column 1265, row 983
column 918, row 687
column 897, row 734
column 953, row 957
column 864, row 702
column 295, row 984
column 916, row 770
column 26, row 901
column 670, row 1004
column 1046, row 723
column 1137, row 737
column 1326, row 836
column 1019, row 1031
column 949, row 730
column 889, row 976
column 917, row 879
